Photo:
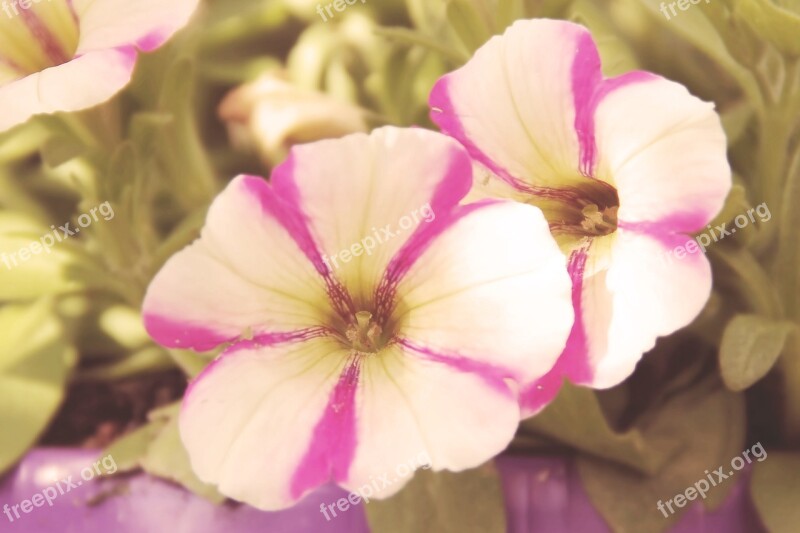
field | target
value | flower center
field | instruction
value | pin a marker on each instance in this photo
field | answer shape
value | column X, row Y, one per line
column 365, row 334
column 587, row 210
column 31, row 40
column 598, row 223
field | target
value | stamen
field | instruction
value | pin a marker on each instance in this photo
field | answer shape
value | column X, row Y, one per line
column 364, row 335
column 598, row 222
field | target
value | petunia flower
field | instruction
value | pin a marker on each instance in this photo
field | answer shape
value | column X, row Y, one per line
column 69, row 55
column 357, row 338
column 273, row 114
column 624, row 169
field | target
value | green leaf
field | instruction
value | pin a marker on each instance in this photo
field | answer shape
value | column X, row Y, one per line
column 129, row 450
column 576, row 418
column 751, row 345
column 775, row 491
column 710, row 425
column 58, row 267
column 694, row 27
column 35, row 361
column 507, row 11
column 415, row 38
column 166, row 457
column 443, row 502
column 735, row 204
column 427, row 16
column 772, row 22
column 468, row 24
column 736, row 119
column 616, row 55
column 59, row 149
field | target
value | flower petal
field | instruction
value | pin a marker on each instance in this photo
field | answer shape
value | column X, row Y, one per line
column 144, row 23
column 81, row 83
column 413, row 411
column 249, row 420
column 513, row 83
column 666, row 150
column 644, row 271
column 616, row 318
column 267, row 424
column 248, row 271
column 491, row 289
column 32, row 39
column 372, row 193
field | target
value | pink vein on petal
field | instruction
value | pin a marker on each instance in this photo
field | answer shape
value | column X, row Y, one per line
column 47, row 41
column 574, row 360
column 258, row 341
column 333, row 442
column 444, row 114
column 665, row 230
column 492, row 375
column 588, row 90
column 152, row 40
column 185, row 335
column 282, row 201
column 412, row 250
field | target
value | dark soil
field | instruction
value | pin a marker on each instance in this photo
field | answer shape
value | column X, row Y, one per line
column 94, row 414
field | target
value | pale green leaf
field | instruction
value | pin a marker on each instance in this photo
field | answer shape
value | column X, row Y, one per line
column 576, row 418
column 710, row 425
column 34, row 263
column 772, row 22
column 129, row 450
column 166, row 457
column 468, row 24
column 35, row 361
column 750, row 347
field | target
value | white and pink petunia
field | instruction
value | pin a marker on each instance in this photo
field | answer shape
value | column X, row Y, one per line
column 69, row 55
column 358, row 333
column 624, row 169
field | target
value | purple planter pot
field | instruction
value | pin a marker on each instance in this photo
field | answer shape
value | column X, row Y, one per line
column 542, row 495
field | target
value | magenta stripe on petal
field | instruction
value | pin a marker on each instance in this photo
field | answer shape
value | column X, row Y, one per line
column 454, row 186
column 261, row 340
column 573, row 363
column 130, row 55
column 175, row 334
column 588, row 90
column 282, row 201
column 544, row 390
column 576, row 352
column 586, row 76
column 152, row 40
column 258, row 341
column 668, row 228
column 47, row 41
column 412, row 250
column 492, row 375
column 333, row 443
column 444, row 114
